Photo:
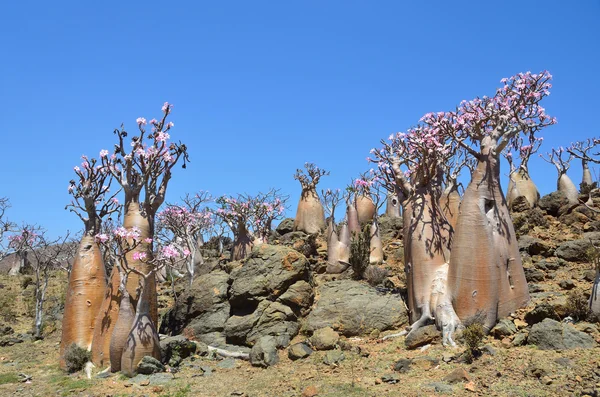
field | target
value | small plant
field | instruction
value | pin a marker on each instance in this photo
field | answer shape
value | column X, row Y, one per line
column 473, row 336
column 585, row 188
column 76, row 358
column 359, row 252
column 309, row 248
column 578, row 305
column 375, row 275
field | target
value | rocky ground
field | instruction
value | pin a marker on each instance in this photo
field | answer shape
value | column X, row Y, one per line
column 305, row 333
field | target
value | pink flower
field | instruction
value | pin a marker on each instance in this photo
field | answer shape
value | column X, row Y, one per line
column 103, row 153
column 148, row 240
column 101, row 238
column 166, row 107
column 141, row 121
column 186, row 252
column 153, row 121
column 115, row 200
column 171, row 124
column 138, row 256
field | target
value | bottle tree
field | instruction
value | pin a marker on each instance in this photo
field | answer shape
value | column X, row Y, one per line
column 581, row 151
column 92, row 202
column 561, row 159
column 310, row 216
column 486, row 276
column 520, row 183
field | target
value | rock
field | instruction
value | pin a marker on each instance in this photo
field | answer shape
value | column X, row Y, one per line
column 390, row 378
column 200, row 310
column 285, row 226
column 567, row 284
column 533, row 275
column 299, row 297
column 402, row 365
column 425, row 362
column 553, row 202
column 564, row 362
column 266, row 274
column 534, row 246
column 540, row 312
column 520, row 324
column 550, row 334
column 547, row 265
column 458, row 375
column 422, row 336
column 176, row 348
column 574, row 250
column 298, row 351
column 149, row 365
column 589, row 275
column 228, row 363
column 160, row 379
column 390, row 228
column 324, row 339
column 333, row 357
column 269, row 318
column 520, row 339
column 310, row 391
column 6, row 330
column 354, row 308
column 504, row 328
column 439, row 387
column 487, row 349
column 264, row 352
column 520, row 204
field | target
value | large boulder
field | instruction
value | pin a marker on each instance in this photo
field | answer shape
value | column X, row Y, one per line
column 553, row 202
column 285, row 226
column 552, row 335
column 390, row 228
column 574, row 250
column 299, row 297
column 202, row 310
column 264, row 352
column 355, row 308
column 266, row 274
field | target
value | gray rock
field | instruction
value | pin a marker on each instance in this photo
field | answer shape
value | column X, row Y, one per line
column 174, row 349
column 160, row 379
column 402, row 365
column 333, row 357
column 567, row 284
column 264, row 352
column 228, row 363
column 202, row 309
column 285, row 226
column 299, row 296
column 149, row 365
column 266, row 274
column 212, row 338
column 534, row 246
column 533, row 275
column 553, row 202
column 520, row 339
column 269, row 318
column 552, row 335
column 439, row 387
column 574, row 250
column 458, row 375
column 422, row 336
column 353, row 308
column 390, row 378
column 540, row 312
column 390, row 228
column 505, row 327
column 298, row 351
column 324, row 339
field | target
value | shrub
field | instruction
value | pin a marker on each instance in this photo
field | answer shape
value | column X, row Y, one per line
column 76, row 358
column 473, row 336
column 578, row 305
column 360, row 248
column 309, row 248
column 376, row 275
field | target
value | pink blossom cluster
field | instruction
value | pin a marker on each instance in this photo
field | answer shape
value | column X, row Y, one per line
column 133, row 233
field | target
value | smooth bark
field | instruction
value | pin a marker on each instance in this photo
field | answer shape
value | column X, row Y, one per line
column 121, row 331
column 310, row 216
column 450, row 204
column 566, row 185
column 365, row 208
column 375, row 245
column 392, row 206
column 242, row 245
column 105, row 321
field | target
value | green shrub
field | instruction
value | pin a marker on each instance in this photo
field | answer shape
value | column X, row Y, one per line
column 473, row 336
column 360, row 248
column 76, row 358
column 578, row 305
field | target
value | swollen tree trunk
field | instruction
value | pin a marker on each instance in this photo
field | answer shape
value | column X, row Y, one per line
column 332, row 245
column 365, row 208
column 105, row 321
column 338, row 248
column 486, row 277
column 587, row 175
column 595, row 297
column 85, row 293
column 242, row 245
column 525, row 187
column 352, row 219
column 450, row 204
column 134, row 217
column 310, row 216
column 375, row 245
column 19, row 265
column 566, row 185
column 427, row 239
column 392, row 206
column 143, row 339
column 121, row 331
column 41, row 285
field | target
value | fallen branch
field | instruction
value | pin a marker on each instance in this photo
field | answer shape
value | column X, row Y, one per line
column 390, row 336
column 227, row 353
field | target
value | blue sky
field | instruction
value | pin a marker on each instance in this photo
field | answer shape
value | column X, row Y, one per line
column 261, row 87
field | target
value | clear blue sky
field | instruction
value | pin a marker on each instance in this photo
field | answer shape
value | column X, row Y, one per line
column 260, row 87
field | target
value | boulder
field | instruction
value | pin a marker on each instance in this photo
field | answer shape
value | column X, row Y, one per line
column 422, row 336
column 504, row 328
column 324, row 339
column 299, row 350
column 390, row 228
column 354, row 308
column 574, row 250
column 541, row 312
column 201, row 310
column 176, row 348
column 552, row 335
column 149, row 365
column 534, row 246
column 553, row 202
column 333, row 357
column 266, row 274
column 299, row 296
column 264, row 352
column 285, row 226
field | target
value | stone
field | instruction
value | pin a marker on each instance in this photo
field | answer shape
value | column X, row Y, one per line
column 354, row 308
column 520, row 339
column 553, row 202
column 201, row 310
column 574, row 250
column 520, row 204
column 228, row 363
column 533, row 275
column 422, row 336
column 504, row 328
column 149, row 365
column 324, row 339
column 174, row 349
column 458, row 375
column 439, row 387
column 567, row 284
column 540, row 312
column 299, row 350
column 299, row 296
column 285, row 226
column 402, row 365
column 160, row 379
column 6, row 330
column 390, row 228
column 390, row 378
column 520, row 324
column 333, row 357
column 264, row 353
column 310, row 391
column 534, row 246
column 425, row 362
column 553, row 335
column 266, row 274
column 589, row 275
